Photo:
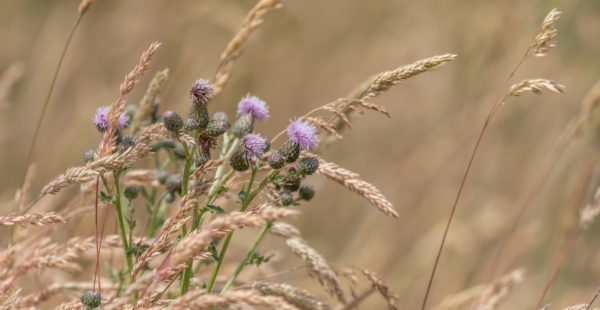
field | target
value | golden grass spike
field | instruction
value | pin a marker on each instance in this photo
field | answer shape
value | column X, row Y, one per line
column 542, row 42
column 300, row 298
column 535, row 86
column 40, row 219
column 131, row 79
column 233, row 49
column 352, row 181
column 159, row 79
column 198, row 300
column 317, row 266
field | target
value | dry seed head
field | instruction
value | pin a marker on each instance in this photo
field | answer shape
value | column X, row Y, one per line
column 132, row 77
column 84, row 6
column 352, row 181
column 383, row 81
column 317, row 266
column 198, row 300
column 146, row 104
column 298, row 297
column 535, row 86
column 32, row 219
column 499, row 289
column 543, row 40
column 383, row 289
column 590, row 211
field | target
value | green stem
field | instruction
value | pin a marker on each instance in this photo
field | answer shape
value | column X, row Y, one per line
column 248, row 198
column 120, row 219
column 187, row 273
column 244, row 261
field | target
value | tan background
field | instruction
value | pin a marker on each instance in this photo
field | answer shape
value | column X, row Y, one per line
column 311, row 52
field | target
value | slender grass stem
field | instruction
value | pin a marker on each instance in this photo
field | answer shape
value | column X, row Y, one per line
column 45, row 105
column 495, row 106
column 246, row 258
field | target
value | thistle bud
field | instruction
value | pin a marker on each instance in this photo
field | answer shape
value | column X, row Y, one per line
column 190, row 124
column 291, row 183
column 276, row 160
column 179, row 151
column 172, row 121
column 130, row 109
column 91, row 299
column 88, row 156
column 127, row 142
column 290, row 151
column 222, row 117
column 161, row 176
column 173, row 183
column 216, row 128
column 243, row 125
column 238, row 162
column 201, row 158
column 168, row 143
column 308, row 165
column 170, row 197
column 199, row 113
column 286, row 198
column 131, row 192
column 267, row 145
column 306, row 192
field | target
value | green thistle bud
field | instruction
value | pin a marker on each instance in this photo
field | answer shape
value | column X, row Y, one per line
column 238, row 162
column 201, row 158
column 131, row 192
column 243, row 125
column 172, row 121
column 286, row 198
column 179, row 151
column 199, row 113
column 308, row 165
column 306, row 192
column 167, row 143
column 91, row 299
column 291, row 183
column 276, row 160
column 267, row 145
column 127, row 142
column 170, row 197
column 130, row 109
column 173, row 183
column 216, row 128
column 162, row 176
column 88, row 156
column 290, row 150
column 222, row 117
column 190, row 124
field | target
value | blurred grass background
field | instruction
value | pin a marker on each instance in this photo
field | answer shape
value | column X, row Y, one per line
column 311, row 52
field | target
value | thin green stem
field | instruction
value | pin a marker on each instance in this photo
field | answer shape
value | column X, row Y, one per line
column 246, row 258
column 45, row 105
column 187, row 273
column 247, row 199
column 121, row 220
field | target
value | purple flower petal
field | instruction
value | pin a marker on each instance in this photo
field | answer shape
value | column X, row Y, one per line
column 253, row 146
column 253, row 105
column 303, row 133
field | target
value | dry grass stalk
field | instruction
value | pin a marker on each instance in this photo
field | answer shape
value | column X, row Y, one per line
column 145, row 106
column 300, row 298
column 543, row 40
column 580, row 307
column 325, row 126
column 383, row 81
column 589, row 106
column 196, row 241
column 21, row 194
column 536, row 86
column 70, row 305
column 383, row 289
column 354, row 183
column 284, row 230
column 197, row 300
column 317, row 266
column 131, row 79
column 590, row 211
column 108, row 163
column 496, row 291
column 233, row 49
column 84, row 6
column 40, row 219
column 58, row 256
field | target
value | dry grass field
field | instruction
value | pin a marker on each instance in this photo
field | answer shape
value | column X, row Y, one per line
column 539, row 156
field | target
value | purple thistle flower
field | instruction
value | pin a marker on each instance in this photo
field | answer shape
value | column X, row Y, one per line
column 253, row 146
column 253, row 105
column 202, row 91
column 303, row 133
column 101, row 119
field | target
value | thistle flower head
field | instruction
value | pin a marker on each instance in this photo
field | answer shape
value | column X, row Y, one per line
column 254, row 106
column 101, row 118
column 253, row 146
column 303, row 133
column 201, row 91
